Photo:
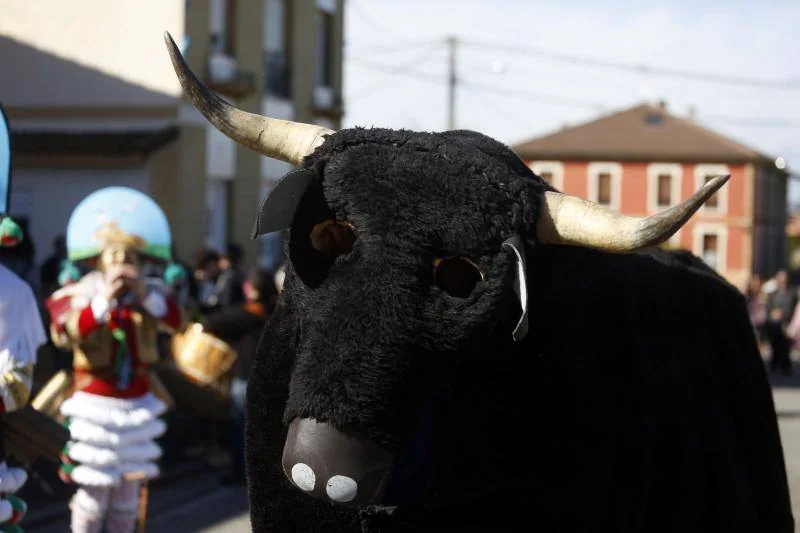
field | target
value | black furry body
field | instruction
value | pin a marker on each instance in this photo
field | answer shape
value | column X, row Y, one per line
column 639, row 382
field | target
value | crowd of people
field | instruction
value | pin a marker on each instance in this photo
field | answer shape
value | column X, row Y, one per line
column 774, row 309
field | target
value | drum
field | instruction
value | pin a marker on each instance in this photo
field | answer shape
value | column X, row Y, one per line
column 29, row 434
column 202, row 357
column 53, row 394
column 198, row 375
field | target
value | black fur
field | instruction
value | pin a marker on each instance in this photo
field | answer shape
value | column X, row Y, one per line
column 637, row 402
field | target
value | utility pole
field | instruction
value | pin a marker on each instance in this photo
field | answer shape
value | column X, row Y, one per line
column 452, row 42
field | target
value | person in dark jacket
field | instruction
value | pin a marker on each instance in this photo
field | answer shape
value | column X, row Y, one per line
column 241, row 326
column 780, row 306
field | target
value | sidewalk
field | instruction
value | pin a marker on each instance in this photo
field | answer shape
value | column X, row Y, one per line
column 190, row 466
column 786, row 393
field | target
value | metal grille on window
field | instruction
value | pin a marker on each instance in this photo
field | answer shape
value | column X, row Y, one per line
column 664, row 190
column 604, row 188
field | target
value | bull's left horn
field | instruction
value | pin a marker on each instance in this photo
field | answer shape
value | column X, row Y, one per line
column 570, row 220
column 281, row 139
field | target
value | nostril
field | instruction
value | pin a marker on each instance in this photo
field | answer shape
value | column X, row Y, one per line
column 341, row 489
column 304, row 477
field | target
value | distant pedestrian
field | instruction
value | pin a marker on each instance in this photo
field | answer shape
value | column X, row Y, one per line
column 757, row 308
column 781, row 304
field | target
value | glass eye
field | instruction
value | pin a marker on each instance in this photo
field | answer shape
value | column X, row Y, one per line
column 457, row 276
column 333, row 238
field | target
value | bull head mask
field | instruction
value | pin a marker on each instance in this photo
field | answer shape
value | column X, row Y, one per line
column 563, row 220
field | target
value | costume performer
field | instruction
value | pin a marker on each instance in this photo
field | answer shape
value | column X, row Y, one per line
column 110, row 320
column 21, row 334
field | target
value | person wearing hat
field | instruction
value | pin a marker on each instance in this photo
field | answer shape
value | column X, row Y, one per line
column 110, row 319
column 21, row 334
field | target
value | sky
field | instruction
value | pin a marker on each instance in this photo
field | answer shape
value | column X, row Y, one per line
column 521, row 70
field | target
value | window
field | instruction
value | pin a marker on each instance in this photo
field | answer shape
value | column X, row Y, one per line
column 604, row 188
column 710, row 244
column 605, row 184
column 223, row 27
column 718, row 203
column 550, row 171
column 324, row 49
column 713, row 201
column 663, row 185
column 664, row 190
column 277, row 47
column 709, row 250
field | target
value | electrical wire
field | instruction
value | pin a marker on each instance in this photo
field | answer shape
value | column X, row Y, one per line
column 709, row 77
column 405, row 67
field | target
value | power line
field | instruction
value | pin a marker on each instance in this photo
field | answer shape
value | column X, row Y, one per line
column 398, row 46
column 576, row 103
column 536, row 97
column 377, row 26
column 637, row 68
column 406, row 67
column 392, row 69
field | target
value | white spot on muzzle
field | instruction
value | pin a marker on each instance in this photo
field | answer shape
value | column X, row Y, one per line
column 303, row 477
column 341, row 489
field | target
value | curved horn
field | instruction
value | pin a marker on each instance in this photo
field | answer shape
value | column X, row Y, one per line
column 281, row 139
column 570, row 220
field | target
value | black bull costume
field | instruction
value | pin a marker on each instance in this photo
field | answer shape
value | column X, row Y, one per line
column 459, row 347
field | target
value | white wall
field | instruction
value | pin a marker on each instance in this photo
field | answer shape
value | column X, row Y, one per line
column 119, row 38
column 48, row 196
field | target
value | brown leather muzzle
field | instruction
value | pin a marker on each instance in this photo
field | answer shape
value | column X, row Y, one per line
column 330, row 465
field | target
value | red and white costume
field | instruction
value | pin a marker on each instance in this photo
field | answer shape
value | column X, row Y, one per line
column 113, row 416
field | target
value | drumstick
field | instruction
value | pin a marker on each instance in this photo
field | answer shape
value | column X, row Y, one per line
column 144, row 494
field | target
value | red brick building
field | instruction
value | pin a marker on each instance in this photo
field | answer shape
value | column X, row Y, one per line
column 644, row 159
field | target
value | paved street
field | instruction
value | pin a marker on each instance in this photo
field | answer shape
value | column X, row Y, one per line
column 196, row 502
column 787, row 404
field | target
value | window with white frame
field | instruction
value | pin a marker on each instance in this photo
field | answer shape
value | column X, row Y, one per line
column 605, row 183
column 550, row 171
column 663, row 185
column 717, row 204
column 710, row 243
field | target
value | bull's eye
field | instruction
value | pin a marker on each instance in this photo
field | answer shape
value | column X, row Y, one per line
column 333, row 238
column 457, row 276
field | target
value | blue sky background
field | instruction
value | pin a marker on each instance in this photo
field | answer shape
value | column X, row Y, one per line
column 512, row 88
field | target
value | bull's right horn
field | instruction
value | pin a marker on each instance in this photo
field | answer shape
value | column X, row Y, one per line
column 570, row 220
column 282, row 139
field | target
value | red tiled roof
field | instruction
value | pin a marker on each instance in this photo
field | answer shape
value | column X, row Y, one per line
column 642, row 133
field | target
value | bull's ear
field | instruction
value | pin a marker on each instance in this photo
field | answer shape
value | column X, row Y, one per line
column 515, row 247
column 280, row 205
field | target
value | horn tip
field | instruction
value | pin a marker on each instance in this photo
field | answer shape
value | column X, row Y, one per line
column 716, row 183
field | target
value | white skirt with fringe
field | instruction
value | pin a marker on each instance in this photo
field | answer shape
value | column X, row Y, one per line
column 112, row 437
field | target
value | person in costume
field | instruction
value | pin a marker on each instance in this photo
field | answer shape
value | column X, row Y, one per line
column 110, row 319
column 21, row 334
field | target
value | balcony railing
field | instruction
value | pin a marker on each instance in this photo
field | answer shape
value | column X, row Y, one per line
column 224, row 77
column 278, row 80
